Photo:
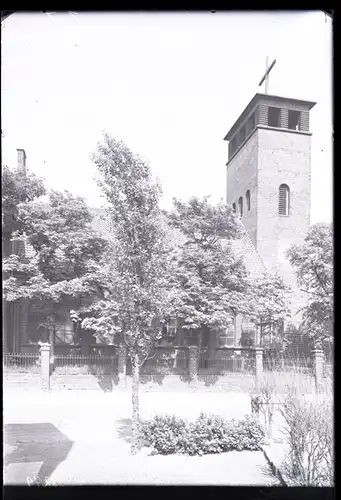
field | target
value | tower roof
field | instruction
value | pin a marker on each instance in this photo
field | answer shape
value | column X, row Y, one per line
column 306, row 105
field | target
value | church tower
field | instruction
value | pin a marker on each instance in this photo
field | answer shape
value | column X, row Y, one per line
column 268, row 178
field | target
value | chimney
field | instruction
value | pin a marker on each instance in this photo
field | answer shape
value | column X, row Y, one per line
column 21, row 158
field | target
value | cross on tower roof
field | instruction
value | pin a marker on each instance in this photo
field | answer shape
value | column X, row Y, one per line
column 266, row 75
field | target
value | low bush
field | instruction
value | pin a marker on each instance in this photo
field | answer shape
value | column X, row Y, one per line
column 207, row 434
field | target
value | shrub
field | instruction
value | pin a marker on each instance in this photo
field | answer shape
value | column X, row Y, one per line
column 309, row 435
column 207, row 434
column 164, row 433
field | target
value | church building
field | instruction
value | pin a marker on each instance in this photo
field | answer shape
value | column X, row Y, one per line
column 268, row 177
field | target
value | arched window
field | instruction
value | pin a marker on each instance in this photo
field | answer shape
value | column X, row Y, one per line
column 248, row 200
column 234, row 208
column 284, row 200
column 240, row 204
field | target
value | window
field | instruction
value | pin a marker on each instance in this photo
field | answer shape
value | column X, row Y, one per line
column 234, row 208
column 171, row 327
column 284, row 200
column 294, row 120
column 64, row 333
column 227, row 338
column 191, row 337
column 248, row 200
column 248, row 337
column 240, row 204
column 274, row 117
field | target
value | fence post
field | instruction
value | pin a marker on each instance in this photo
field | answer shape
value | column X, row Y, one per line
column 259, row 366
column 318, row 363
column 45, row 366
column 122, row 365
column 193, row 363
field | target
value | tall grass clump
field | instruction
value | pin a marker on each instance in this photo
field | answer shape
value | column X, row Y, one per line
column 307, row 416
column 308, row 434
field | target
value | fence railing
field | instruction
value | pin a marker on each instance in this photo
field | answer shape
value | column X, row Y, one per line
column 21, row 362
column 166, row 361
column 79, row 364
column 282, row 362
column 227, row 360
column 188, row 361
column 67, row 350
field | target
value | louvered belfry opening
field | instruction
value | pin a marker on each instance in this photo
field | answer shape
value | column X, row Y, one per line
column 284, row 200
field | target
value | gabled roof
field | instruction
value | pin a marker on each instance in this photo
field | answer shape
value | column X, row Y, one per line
column 243, row 247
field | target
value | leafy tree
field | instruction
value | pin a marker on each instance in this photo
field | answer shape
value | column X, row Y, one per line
column 211, row 281
column 61, row 259
column 18, row 186
column 269, row 297
column 313, row 262
column 134, row 271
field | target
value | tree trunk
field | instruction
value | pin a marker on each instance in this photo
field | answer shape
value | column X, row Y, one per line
column 51, row 342
column 135, row 426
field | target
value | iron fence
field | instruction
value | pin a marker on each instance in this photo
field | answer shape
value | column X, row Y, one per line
column 274, row 361
column 21, row 362
column 172, row 361
column 328, row 370
column 85, row 365
column 227, row 360
column 67, row 350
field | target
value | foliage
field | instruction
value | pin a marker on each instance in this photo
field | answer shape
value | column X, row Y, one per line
column 61, row 258
column 270, row 307
column 134, row 274
column 18, row 186
column 134, row 269
column 313, row 262
column 309, row 435
column 207, row 434
column 211, row 281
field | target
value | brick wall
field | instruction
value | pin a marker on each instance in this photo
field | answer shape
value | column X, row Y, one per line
column 283, row 157
column 269, row 158
column 177, row 383
column 242, row 176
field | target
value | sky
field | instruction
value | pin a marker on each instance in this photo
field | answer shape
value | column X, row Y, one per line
column 169, row 85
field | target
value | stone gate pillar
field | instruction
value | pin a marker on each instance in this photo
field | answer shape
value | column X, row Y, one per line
column 45, row 350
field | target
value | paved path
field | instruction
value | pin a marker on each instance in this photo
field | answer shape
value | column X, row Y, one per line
column 84, row 439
